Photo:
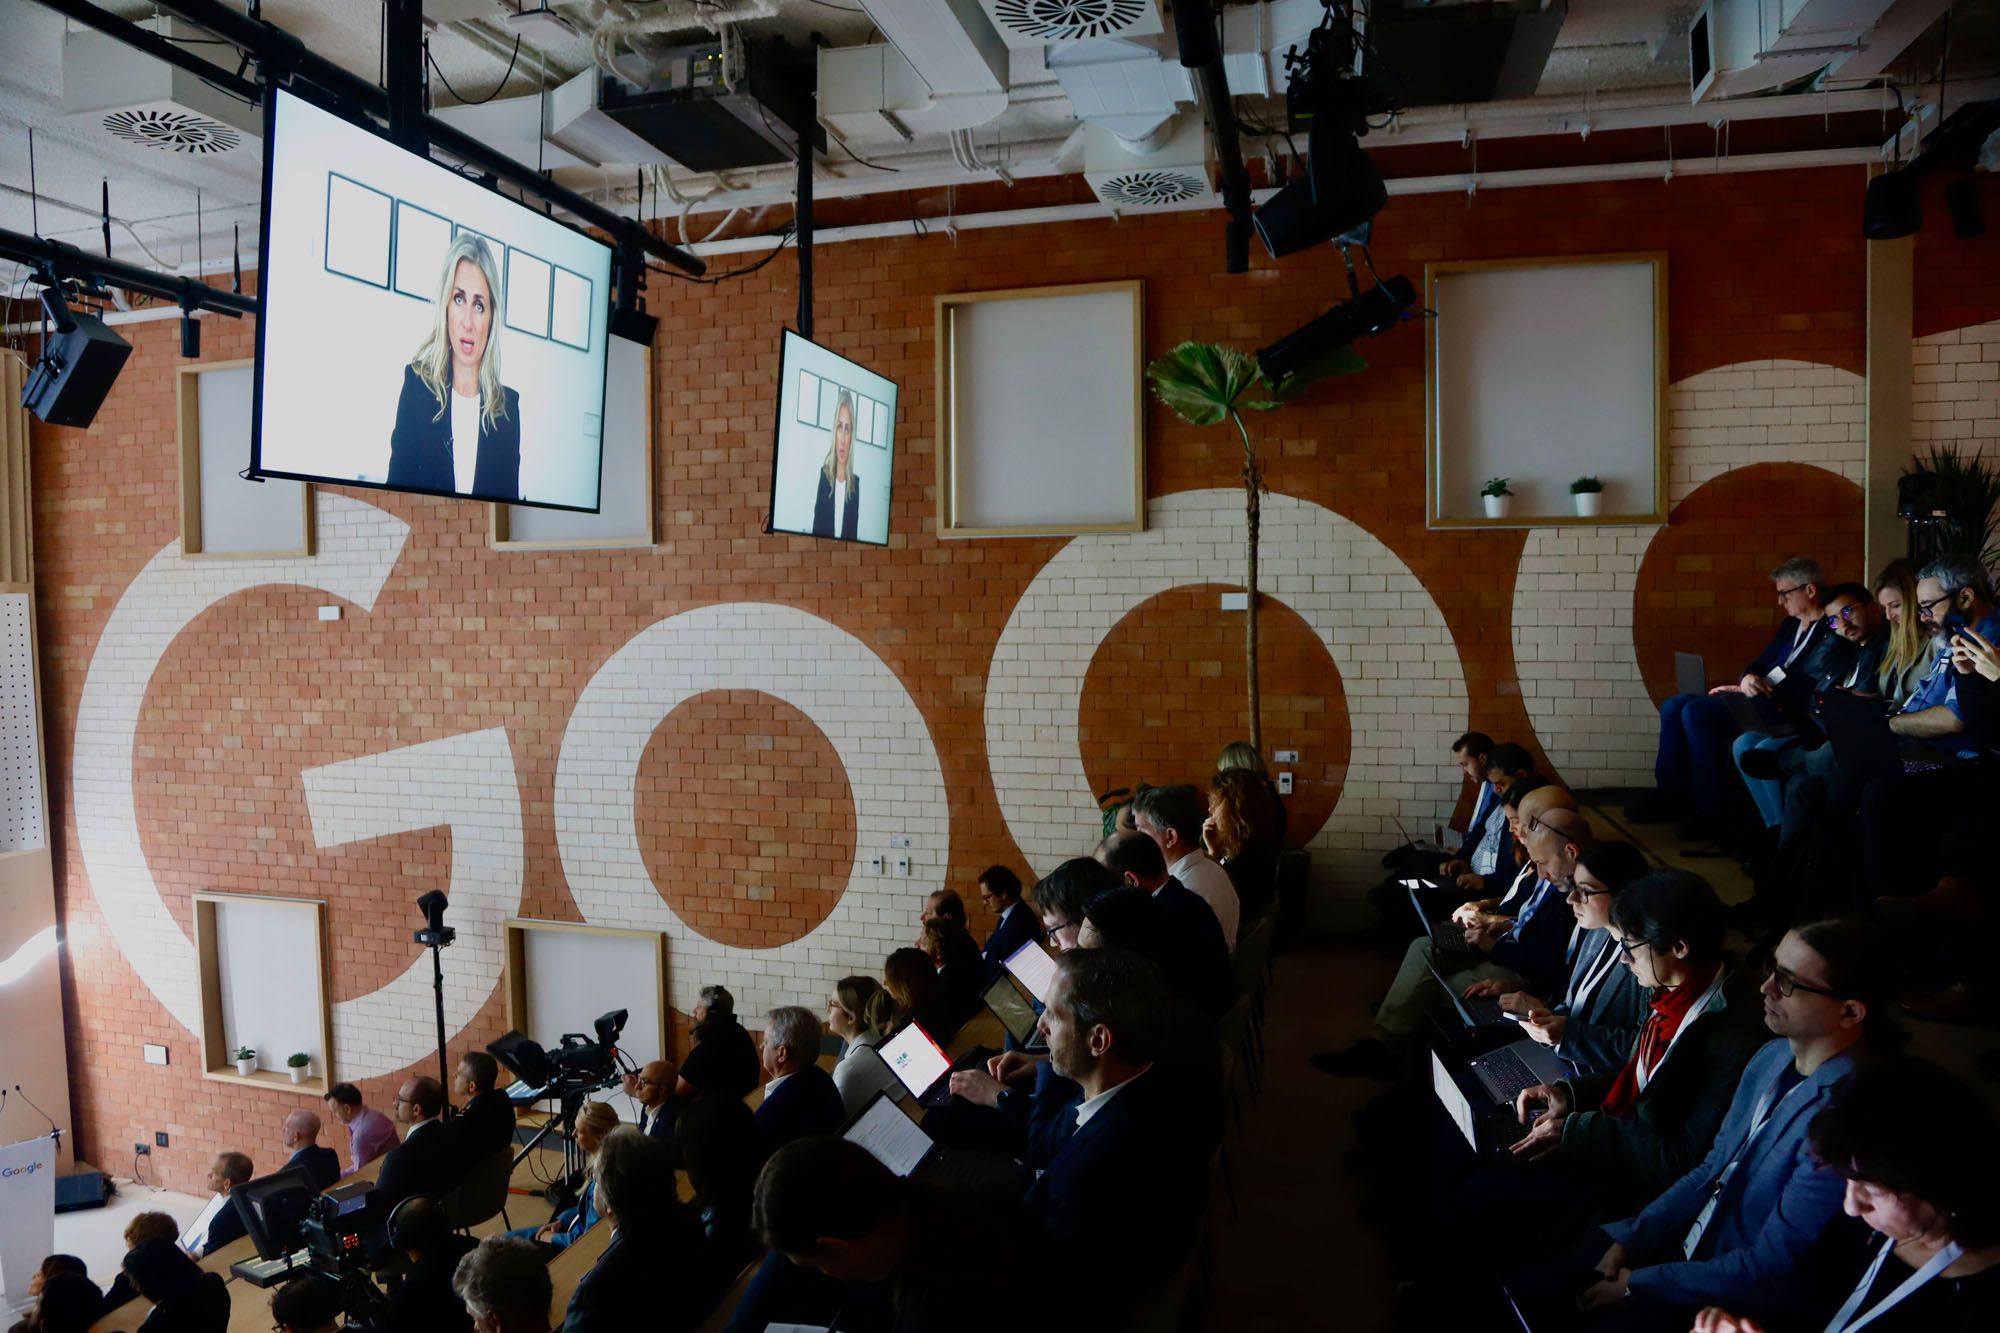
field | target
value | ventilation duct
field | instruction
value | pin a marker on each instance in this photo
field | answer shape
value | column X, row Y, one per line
column 1740, row 47
column 1167, row 168
column 943, row 69
column 1029, row 25
column 139, row 99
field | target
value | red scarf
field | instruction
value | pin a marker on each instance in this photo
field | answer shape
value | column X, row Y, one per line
column 1670, row 1010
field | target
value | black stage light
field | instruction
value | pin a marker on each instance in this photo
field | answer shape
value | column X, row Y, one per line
column 1368, row 314
column 634, row 325
column 190, row 336
column 80, row 361
column 1341, row 190
column 1892, row 208
column 1962, row 198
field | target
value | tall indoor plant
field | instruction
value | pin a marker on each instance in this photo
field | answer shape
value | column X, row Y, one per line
column 1206, row 384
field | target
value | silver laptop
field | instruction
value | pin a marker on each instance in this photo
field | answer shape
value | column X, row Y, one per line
column 1478, row 1013
column 1510, row 1071
column 1690, row 673
column 1412, row 840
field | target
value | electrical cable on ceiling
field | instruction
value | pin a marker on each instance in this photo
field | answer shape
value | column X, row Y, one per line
column 497, row 89
column 745, row 271
column 862, row 160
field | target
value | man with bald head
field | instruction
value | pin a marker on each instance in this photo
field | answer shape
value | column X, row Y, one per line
column 426, row 1161
column 1518, row 939
column 653, row 1088
column 301, row 1140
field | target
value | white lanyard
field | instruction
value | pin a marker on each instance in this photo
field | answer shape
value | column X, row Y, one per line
column 1514, row 888
column 1645, row 1071
column 1799, row 640
column 1757, row 1123
column 1940, row 1261
column 1579, row 995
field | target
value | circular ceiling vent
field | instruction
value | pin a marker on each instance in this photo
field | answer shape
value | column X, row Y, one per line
column 1150, row 189
column 172, row 131
column 1068, row 20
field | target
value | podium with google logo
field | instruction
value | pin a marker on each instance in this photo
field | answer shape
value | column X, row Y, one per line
column 27, row 1214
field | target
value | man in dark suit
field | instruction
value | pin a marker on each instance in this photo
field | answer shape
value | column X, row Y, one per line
column 653, row 1088
column 1000, row 891
column 301, row 1140
column 1120, row 1173
column 225, row 1173
column 425, row 1162
column 800, row 1099
column 424, row 1300
column 1196, row 934
column 486, row 1125
column 656, row 1261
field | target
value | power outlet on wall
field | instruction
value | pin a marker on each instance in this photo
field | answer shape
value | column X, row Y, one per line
column 160, row 1138
column 874, row 865
column 143, row 1149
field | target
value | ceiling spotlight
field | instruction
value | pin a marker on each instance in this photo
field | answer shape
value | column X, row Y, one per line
column 1379, row 308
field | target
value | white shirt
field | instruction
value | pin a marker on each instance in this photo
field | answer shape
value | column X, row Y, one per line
column 772, row 1086
column 1210, row 882
column 1090, row 1106
column 839, row 506
column 464, row 441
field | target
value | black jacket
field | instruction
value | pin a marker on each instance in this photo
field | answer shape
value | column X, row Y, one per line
column 1020, row 924
column 670, row 1278
column 724, row 1058
column 420, row 446
column 805, row 1103
column 224, row 1227
column 484, row 1127
column 426, row 1162
column 205, row 1309
column 321, row 1163
column 850, row 515
column 1203, row 974
column 424, row 1301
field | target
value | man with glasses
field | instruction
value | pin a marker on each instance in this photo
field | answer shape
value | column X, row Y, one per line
column 653, row 1087
column 1732, row 1231
column 1696, row 729
column 1951, row 593
column 424, row 1162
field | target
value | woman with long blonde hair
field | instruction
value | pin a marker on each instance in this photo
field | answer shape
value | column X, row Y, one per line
column 458, row 428
column 838, row 500
column 1909, row 652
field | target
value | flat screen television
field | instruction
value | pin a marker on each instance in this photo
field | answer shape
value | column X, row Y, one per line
column 827, row 403
column 418, row 331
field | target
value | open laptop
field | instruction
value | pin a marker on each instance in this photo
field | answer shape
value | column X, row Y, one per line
column 1411, row 840
column 921, row 1065
column 1690, row 673
column 899, row 1143
column 1445, row 934
column 1483, row 1012
column 1003, row 997
column 1858, row 730
column 1034, row 967
column 1508, row 1072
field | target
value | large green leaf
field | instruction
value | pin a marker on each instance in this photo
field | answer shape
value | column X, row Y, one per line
column 1205, row 383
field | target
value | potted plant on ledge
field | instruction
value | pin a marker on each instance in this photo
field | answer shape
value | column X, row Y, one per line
column 1495, row 495
column 246, row 1060
column 1588, row 492
column 296, row 1064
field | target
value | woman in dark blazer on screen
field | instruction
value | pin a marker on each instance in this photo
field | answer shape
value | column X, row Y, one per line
column 458, row 429
column 839, row 488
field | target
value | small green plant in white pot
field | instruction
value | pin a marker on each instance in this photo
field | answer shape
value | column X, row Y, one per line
column 1496, row 497
column 246, row 1060
column 298, row 1064
column 1588, row 492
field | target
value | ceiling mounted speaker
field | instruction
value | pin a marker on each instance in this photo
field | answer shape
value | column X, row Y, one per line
column 1028, row 24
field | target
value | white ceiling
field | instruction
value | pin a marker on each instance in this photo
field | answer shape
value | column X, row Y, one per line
column 1606, row 46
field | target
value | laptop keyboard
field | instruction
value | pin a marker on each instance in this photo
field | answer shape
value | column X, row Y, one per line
column 1449, row 935
column 1506, row 1074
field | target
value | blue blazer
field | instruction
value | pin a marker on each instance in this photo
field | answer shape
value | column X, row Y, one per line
column 1775, row 1205
column 1536, row 946
column 1599, row 1035
column 321, row 1163
column 1020, row 926
column 805, row 1103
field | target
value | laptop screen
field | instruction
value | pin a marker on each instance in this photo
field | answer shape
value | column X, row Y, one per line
column 1015, row 1014
column 1035, row 967
column 1454, row 1102
column 915, row 1058
column 886, row 1131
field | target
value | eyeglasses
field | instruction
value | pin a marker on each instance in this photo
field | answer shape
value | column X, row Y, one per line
column 1631, row 947
column 1925, row 608
column 1845, row 613
column 1540, row 823
column 1576, row 890
column 1796, row 587
column 1788, row 985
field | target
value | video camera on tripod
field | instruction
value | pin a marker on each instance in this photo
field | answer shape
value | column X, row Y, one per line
column 578, row 1065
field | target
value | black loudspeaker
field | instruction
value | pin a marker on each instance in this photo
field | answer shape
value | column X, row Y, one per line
column 634, row 326
column 1892, row 207
column 78, row 365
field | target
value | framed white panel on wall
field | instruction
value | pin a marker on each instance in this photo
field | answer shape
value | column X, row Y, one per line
column 625, row 515
column 264, row 985
column 1041, row 415
column 1544, row 372
column 222, row 513
column 561, row 976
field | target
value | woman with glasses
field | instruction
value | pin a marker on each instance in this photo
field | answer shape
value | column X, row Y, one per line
column 1915, row 1147
column 859, row 1013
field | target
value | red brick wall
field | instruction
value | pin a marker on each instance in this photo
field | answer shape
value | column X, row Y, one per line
column 465, row 637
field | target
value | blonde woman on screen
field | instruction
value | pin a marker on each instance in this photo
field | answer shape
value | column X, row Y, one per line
column 839, row 490
column 458, row 428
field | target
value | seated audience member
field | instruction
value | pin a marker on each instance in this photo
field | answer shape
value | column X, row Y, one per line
column 426, row 1161
column 1733, row 1231
column 1520, row 943
column 800, row 1098
column 1952, row 593
column 593, row 1121
column 1597, row 1019
column 1127, row 918
column 65, row 1301
column 653, row 1088
column 1172, row 817
column 1696, row 729
column 851, row 1012
column 1120, row 1174
column 960, row 972
column 142, row 1228
column 1014, row 922
column 719, row 1142
column 1486, row 867
column 828, row 1205
column 943, row 903
column 916, row 994
column 1241, row 833
column 485, row 1124
column 724, row 1058
column 300, row 1138
column 369, row 1132
column 1061, row 896
column 505, row 1287
column 185, row 1299
column 219, row 1223
column 1483, row 831
column 55, row 1264
column 1136, row 860
column 1243, row 755
column 656, row 1261
column 1852, row 662
column 423, row 1300
column 1618, row 1138
column 1908, row 654
column 1915, row 1147
column 309, row 1304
